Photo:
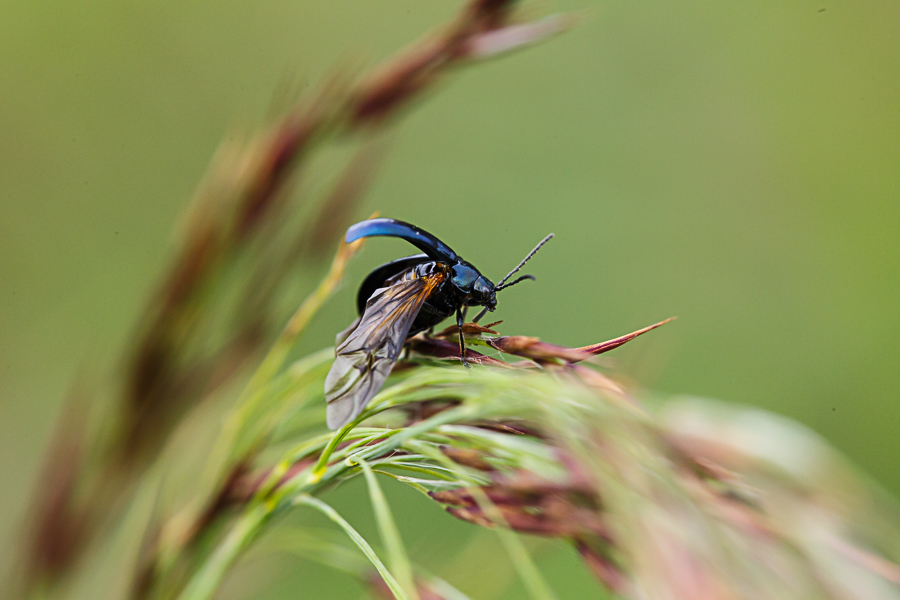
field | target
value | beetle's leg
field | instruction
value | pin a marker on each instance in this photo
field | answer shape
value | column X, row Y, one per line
column 462, row 340
column 483, row 312
column 465, row 310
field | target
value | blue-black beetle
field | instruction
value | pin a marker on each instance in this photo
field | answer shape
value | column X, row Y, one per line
column 398, row 300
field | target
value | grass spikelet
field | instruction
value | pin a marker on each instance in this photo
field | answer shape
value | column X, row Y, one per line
column 660, row 497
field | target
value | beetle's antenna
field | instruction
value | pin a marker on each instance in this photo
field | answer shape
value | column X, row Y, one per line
column 509, row 285
column 522, row 264
column 503, row 285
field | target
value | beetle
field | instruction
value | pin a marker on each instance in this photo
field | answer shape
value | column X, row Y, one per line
column 395, row 302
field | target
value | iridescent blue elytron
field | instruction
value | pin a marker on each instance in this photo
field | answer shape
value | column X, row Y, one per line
column 419, row 238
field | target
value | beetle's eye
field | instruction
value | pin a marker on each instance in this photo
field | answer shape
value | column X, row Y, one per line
column 483, row 286
column 463, row 277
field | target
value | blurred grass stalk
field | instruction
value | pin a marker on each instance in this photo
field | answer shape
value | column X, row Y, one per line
column 690, row 500
column 222, row 297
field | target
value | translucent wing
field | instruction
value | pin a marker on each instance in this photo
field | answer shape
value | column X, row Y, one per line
column 365, row 358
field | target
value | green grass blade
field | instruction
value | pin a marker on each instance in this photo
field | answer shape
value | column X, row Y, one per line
column 359, row 540
column 205, row 581
column 390, row 535
column 444, row 589
column 319, row 545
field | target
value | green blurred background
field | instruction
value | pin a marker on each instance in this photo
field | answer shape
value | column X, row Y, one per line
column 733, row 163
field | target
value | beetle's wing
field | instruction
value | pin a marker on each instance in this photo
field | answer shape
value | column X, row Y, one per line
column 376, row 278
column 365, row 359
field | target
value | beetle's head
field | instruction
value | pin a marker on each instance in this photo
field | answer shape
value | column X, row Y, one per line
column 483, row 293
column 470, row 282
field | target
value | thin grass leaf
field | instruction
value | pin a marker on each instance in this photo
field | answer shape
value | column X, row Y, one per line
column 390, row 535
column 360, row 541
column 427, row 469
column 322, row 464
column 315, row 544
column 421, row 485
column 205, row 581
column 413, row 483
column 444, row 589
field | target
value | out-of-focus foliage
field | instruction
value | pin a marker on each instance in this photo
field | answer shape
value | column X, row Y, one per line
column 732, row 164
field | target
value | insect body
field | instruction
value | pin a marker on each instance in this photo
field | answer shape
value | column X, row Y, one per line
column 398, row 300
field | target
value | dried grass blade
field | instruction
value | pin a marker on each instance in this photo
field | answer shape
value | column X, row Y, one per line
column 616, row 342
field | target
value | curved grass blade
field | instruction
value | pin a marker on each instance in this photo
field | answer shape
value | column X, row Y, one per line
column 390, row 535
column 444, row 589
column 206, row 580
column 319, row 546
column 359, row 540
